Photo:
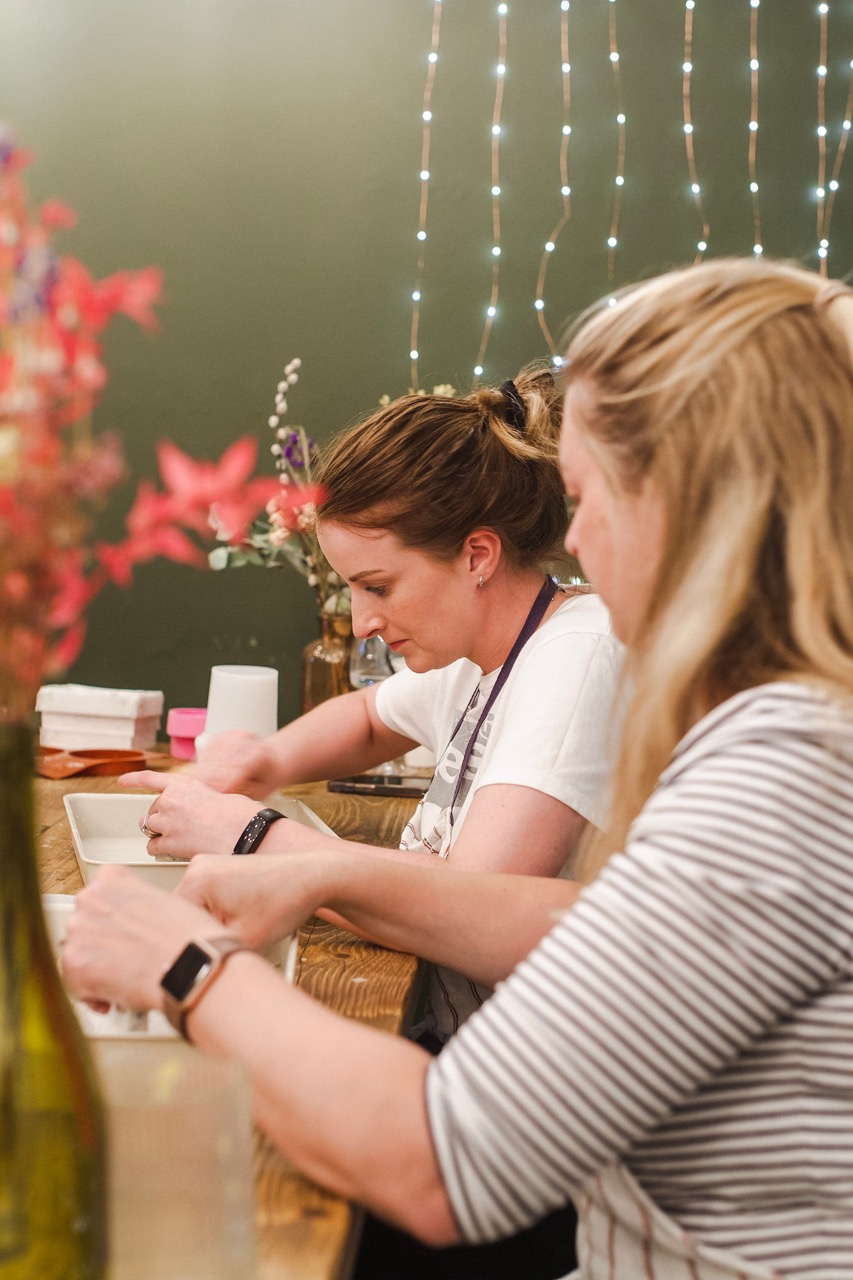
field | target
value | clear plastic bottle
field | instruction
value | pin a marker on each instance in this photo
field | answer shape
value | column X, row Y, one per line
column 53, row 1211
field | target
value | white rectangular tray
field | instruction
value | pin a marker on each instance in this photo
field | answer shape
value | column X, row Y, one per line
column 122, row 1024
column 105, row 829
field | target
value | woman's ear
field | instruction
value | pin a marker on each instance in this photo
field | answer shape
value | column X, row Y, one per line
column 482, row 551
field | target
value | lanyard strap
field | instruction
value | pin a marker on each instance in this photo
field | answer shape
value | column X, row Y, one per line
column 534, row 617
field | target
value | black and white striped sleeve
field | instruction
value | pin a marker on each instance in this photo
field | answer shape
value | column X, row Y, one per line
column 730, row 906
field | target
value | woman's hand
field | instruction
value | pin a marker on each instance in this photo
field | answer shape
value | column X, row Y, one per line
column 238, row 761
column 188, row 817
column 259, row 899
column 123, row 936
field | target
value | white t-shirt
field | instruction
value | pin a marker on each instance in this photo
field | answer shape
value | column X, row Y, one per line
column 550, row 729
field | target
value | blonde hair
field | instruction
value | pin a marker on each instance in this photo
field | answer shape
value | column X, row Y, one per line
column 432, row 469
column 728, row 386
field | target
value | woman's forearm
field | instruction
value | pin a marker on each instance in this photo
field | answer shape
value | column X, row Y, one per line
column 339, row 737
column 478, row 923
column 307, row 1066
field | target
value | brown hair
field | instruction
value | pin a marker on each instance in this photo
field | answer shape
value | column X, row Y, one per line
column 731, row 391
column 431, row 469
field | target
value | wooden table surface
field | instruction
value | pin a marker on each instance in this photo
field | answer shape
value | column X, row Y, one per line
column 304, row 1233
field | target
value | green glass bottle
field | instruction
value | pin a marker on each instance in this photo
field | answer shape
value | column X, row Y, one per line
column 53, row 1214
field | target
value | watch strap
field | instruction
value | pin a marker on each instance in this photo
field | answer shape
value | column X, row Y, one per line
column 255, row 830
column 215, row 952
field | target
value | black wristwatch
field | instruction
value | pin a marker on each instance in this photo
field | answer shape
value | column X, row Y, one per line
column 186, row 981
column 255, row 830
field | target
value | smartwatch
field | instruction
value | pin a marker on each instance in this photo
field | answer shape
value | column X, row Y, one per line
column 195, row 969
column 255, row 830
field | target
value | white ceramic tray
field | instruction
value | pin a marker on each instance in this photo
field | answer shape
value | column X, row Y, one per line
column 105, row 829
column 122, row 1024
column 114, row 1023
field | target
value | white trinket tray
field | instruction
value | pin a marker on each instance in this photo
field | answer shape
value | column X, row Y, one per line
column 124, row 1024
column 105, row 831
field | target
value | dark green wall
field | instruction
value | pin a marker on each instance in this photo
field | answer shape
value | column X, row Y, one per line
column 265, row 153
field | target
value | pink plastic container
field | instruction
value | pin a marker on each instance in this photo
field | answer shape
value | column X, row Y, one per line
column 183, row 725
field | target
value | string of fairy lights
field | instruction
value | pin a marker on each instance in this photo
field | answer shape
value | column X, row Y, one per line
column 825, row 191
column 829, row 160
column 616, row 203
column 687, row 109
column 495, row 193
column 565, row 189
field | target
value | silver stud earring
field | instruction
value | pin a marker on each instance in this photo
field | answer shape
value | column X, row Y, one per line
column 480, row 583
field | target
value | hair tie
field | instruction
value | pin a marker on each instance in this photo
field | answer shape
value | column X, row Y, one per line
column 516, row 409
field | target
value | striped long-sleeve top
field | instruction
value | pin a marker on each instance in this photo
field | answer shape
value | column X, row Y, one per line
column 692, row 1015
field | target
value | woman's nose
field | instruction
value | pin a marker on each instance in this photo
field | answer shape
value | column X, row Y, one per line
column 365, row 620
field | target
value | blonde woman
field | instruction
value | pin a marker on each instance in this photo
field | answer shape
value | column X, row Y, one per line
column 676, row 1052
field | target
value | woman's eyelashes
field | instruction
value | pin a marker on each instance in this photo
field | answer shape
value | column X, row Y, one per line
column 375, row 589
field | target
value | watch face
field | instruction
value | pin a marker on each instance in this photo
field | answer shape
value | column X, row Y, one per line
column 179, row 980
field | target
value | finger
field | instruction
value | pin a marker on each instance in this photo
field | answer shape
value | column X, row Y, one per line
column 147, row 779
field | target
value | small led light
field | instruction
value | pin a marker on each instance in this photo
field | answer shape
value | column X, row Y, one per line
column 688, row 128
column 611, row 241
column 539, row 304
column 846, row 124
column 502, row 9
column 496, row 191
column 416, row 295
column 564, row 5
column 620, row 119
column 702, row 246
column 565, row 191
column 753, row 186
column 549, row 246
column 567, row 128
column 620, row 181
column 478, row 369
column 824, row 244
column 823, row 8
column 821, row 131
column 758, row 249
column 424, row 175
column 422, row 235
column 433, row 57
column 496, row 129
column 694, row 187
column 822, row 251
column 690, row 4
column 611, row 301
column 491, row 311
column 501, row 69
column 820, row 193
column 427, row 115
column 753, row 125
column 413, row 355
column 833, row 186
column 496, row 251
column 821, row 71
column 557, row 360
column 754, row 4
column 687, row 67
column 566, row 68
column 614, row 57
column 753, row 64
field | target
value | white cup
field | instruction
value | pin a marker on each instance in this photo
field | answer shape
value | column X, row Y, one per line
column 241, row 697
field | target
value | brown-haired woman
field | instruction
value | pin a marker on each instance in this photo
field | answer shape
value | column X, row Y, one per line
column 442, row 515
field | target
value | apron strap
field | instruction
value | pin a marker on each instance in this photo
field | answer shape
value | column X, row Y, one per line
column 534, row 617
